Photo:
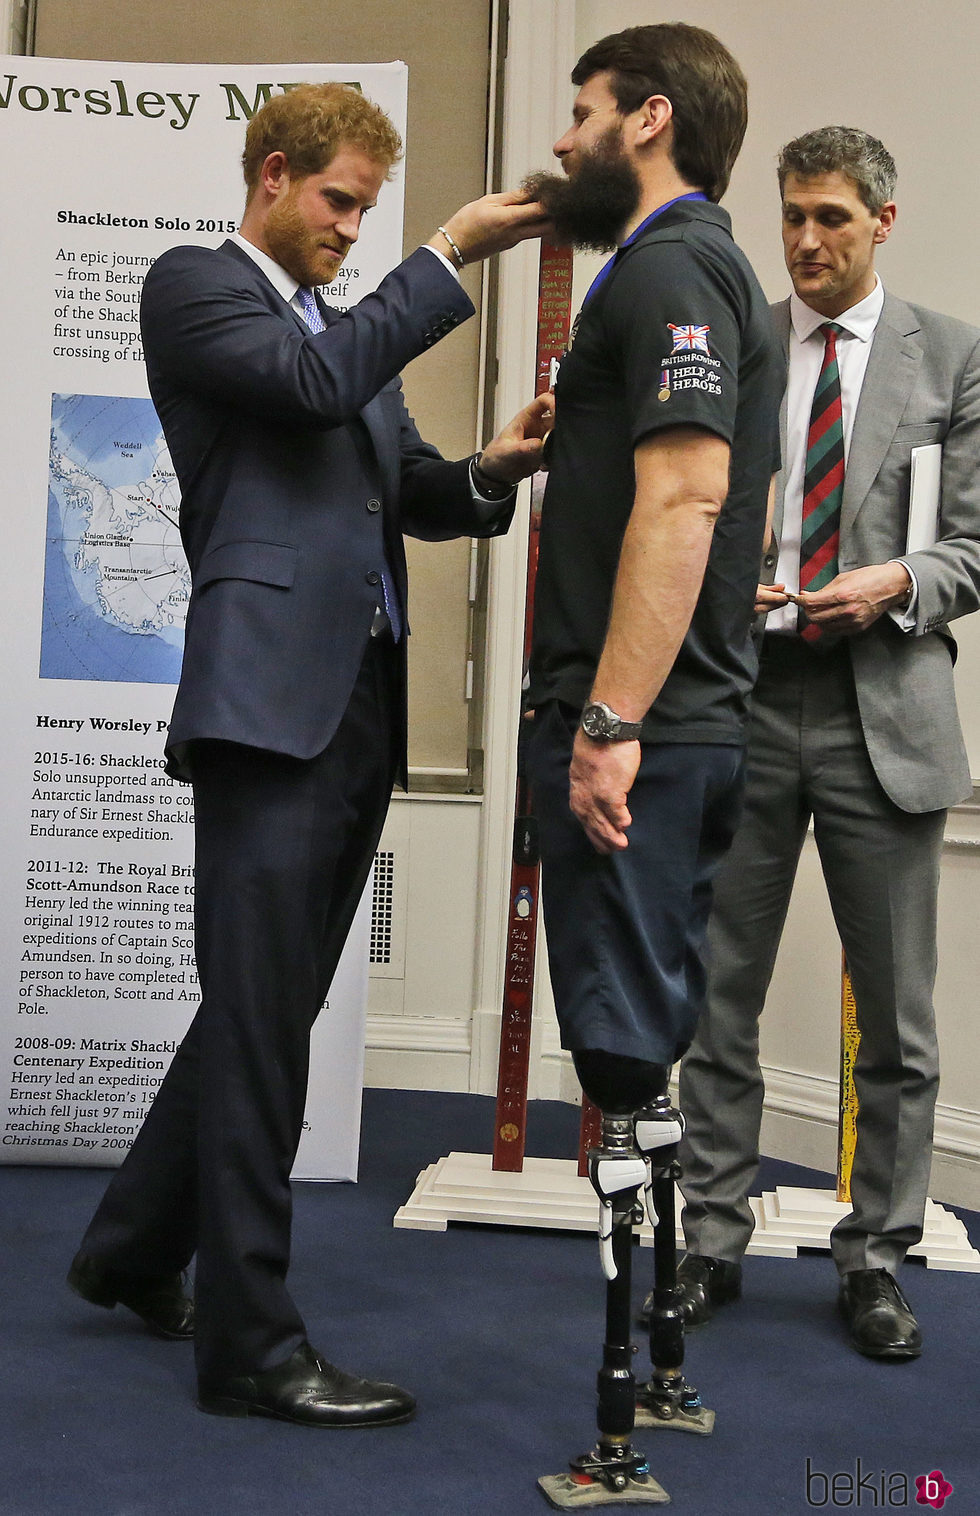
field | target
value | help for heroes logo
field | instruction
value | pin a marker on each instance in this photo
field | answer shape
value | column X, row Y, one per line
column 689, row 365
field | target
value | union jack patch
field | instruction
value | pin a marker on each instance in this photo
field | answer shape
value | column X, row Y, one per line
column 689, row 339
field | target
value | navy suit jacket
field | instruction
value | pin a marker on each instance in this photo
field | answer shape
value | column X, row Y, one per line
column 299, row 468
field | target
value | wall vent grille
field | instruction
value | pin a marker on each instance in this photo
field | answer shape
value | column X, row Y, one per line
column 382, row 910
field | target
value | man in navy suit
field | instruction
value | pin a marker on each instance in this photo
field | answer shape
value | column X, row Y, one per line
column 299, row 468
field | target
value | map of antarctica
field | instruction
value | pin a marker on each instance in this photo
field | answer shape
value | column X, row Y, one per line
column 116, row 581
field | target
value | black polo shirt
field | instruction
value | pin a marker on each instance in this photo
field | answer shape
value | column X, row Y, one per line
column 677, row 334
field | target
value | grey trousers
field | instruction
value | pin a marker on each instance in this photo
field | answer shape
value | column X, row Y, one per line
column 807, row 757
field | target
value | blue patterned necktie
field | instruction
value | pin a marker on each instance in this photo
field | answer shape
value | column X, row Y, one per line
column 310, row 312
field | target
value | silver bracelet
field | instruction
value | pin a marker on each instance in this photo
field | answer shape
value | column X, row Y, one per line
column 457, row 255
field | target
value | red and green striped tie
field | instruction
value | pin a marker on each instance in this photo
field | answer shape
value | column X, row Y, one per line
column 823, row 484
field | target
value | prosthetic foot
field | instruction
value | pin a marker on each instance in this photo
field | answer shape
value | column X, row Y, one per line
column 614, row 1473
column 666, row 1400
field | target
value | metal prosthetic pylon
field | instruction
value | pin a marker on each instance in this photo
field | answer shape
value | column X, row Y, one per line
column 614, row 1472
column 666, row 1400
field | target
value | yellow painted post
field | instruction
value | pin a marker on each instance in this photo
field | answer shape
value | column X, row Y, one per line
column 850, row 1038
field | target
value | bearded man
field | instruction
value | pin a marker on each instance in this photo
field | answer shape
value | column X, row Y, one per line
column 664, row 446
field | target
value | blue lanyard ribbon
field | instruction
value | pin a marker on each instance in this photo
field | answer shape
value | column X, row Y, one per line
column 607, row 268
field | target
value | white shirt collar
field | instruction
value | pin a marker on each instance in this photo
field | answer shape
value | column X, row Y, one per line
column 859, row 320
column 283, row 283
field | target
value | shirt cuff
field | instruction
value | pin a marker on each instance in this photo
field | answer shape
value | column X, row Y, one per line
column 497, row 492
column 443, row 259
column 904, row 616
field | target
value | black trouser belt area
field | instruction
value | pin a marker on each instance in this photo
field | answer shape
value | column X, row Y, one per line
column 780, row 650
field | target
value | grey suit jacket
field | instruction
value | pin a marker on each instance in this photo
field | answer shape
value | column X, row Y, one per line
column 922, row 385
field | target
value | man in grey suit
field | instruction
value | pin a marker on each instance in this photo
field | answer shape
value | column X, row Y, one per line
column 854, row 726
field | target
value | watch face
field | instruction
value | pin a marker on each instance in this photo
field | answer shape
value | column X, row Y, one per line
column 595, row 722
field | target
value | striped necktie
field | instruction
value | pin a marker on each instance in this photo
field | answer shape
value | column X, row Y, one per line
column 309, row 310
column 823, row 484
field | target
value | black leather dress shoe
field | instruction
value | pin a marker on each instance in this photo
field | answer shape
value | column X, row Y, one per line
column 705, row 1283
column 309, row 1390
column 160, row 1301
column 878, row 1316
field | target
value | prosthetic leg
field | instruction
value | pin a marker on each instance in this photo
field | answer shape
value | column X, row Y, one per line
column 640, row 1132
column 666, row 1400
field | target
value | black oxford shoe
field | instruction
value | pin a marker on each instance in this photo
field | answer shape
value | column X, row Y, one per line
column 308, row 1390
column 705, row 1284
column 878, row 1316
column 160, row 1301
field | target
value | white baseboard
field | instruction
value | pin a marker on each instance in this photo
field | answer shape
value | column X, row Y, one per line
column 799, row 1124
column 417, row 1053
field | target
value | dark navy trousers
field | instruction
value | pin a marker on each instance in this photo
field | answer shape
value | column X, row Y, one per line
column 626, row 930
column 283, row 849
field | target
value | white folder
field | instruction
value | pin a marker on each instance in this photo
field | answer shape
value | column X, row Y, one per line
column 924, row 488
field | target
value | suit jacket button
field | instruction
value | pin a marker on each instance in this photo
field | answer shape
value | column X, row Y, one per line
column 373, row 577
column 374, row 505
column 769, row 561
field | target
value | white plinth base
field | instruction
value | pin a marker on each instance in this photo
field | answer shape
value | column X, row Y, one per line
column 465, row 1187
column 788, row 1219
column 549, row 1193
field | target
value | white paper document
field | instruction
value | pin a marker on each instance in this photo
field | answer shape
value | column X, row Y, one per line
column 927, row 463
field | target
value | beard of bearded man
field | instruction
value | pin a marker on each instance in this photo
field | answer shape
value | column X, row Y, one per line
column 591, row 206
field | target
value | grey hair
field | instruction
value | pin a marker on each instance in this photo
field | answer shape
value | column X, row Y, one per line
column 842, row 150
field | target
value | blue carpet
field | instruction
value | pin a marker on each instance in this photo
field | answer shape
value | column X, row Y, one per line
column 497, row 1332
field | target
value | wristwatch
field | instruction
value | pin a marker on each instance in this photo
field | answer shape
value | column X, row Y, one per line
column 486, row 485
column 603, row 725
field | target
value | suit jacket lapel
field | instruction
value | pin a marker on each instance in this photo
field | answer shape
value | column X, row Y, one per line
column 268, row 290
column 379, row 429
column 373, row 413
column 893, row 365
